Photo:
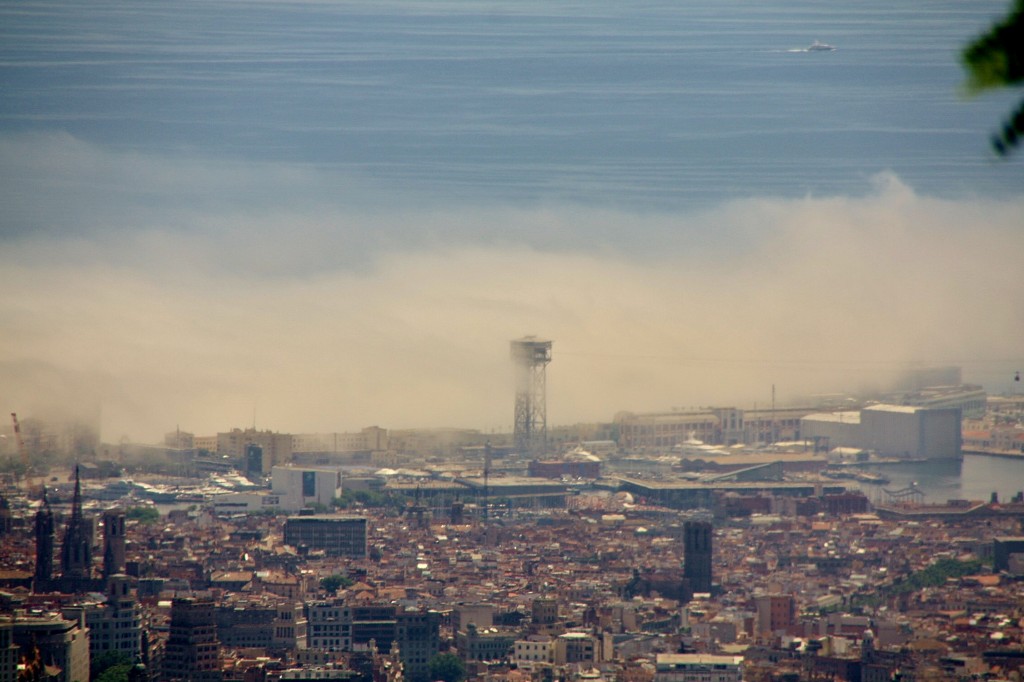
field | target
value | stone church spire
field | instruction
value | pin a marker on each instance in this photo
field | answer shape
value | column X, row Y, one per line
column 76, row 552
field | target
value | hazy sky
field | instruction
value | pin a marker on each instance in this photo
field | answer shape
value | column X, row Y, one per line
column 176, row 282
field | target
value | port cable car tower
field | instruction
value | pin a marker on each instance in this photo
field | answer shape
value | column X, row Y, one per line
column 530, row 358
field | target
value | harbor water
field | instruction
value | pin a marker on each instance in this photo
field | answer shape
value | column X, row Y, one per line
column 976, row 477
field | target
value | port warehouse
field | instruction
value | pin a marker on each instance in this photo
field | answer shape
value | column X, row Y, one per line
column 678, row 494
column 890, row 431
column 690, row 495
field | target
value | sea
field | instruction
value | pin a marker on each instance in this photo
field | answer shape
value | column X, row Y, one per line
column 640, row 105
column 976, row 477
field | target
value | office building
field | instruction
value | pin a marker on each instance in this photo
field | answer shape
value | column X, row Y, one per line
column 334, row 534
column 299, row 487
column 697, row 555
column 62, row 644
column 254, row 464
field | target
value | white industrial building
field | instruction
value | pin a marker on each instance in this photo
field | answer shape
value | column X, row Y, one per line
column 299, row 487
column 890, row 431
column 291, row 489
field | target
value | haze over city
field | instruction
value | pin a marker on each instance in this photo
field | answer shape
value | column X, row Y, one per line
column 207, row 329
column 511, row 341
column 317, row 230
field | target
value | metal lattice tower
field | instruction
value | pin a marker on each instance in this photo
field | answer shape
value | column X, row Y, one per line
column 531, row 356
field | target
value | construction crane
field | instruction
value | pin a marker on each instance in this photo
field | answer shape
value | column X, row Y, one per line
column 23, row 452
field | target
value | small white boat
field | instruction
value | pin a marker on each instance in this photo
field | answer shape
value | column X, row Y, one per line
column 820, row 47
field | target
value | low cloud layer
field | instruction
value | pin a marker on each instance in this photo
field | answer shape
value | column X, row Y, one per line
column 172, row 292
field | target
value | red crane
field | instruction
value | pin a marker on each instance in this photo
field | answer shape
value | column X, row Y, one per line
column 22, row 451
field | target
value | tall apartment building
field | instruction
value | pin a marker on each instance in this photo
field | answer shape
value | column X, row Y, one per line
column 61, row 642
column 774, row 612
column 291, row 630
column 544, row 612
column 277, row 447
column 261, row 622
column 333, row 626
column 418, row 633
column 330, row 626
column 6, row 517
column 192, row 653
column 116, row 624
column 9, row 653
column 697, row 555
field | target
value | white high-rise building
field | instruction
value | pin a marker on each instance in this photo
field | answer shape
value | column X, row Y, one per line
column 298, row 487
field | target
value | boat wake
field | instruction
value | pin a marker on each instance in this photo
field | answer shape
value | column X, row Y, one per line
column 816, row 46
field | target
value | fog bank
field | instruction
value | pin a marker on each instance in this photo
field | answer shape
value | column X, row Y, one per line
column 315, row 315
